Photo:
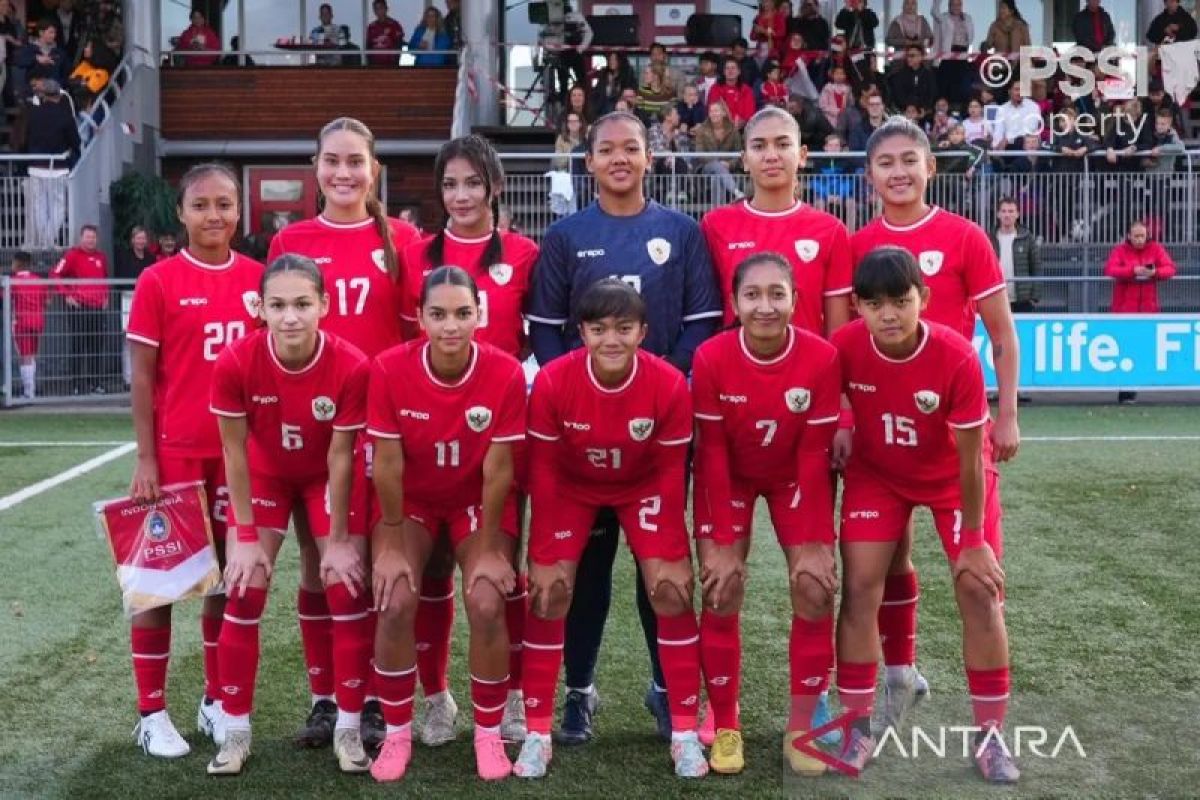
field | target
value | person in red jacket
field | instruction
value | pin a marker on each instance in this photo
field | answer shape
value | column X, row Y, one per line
column 1136, row 266
column 199, row 35
column 738, row 96
column 28, row 318
column 384, row 33
column 86, row 303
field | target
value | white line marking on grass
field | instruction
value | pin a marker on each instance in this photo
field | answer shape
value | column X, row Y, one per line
column 1173, row 438
column 114, row 443
column 62, row 477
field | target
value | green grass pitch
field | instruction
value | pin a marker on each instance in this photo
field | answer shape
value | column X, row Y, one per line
column 1103, row 559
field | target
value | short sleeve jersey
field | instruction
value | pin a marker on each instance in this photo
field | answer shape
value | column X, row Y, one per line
column 502, row 286
column 905, row 411
column 814, row 242
column 80, row 264
column 609, row 438
column 659, row 252
column 956, row 260
column 291, row 413
column 446, row 429
column 765, row 406
column 190, row 311
column 29, row 301
column 364, row 300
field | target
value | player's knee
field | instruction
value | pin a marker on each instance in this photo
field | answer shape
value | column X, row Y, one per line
column 810, row 599
column 213, row 607
column 396, row 621
column 974, row 599
column 485, row 608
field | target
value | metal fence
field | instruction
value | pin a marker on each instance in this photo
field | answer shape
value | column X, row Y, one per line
column 34, row 202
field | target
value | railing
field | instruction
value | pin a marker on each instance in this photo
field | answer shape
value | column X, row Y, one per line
column 34, row 207
column 302, row 55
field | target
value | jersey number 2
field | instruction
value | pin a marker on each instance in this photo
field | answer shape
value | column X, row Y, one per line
column 219, row 334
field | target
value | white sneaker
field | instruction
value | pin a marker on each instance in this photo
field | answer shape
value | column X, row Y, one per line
column 348, row 747
column 688, row 756
column 233, row 755
column 901, row 694
column 512, row 726
column 210, row 721
column 441, row 712
column 534, row 757
column 157, row 736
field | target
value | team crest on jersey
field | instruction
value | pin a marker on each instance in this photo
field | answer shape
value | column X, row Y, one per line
column 323, row 409
column 798, row 399
column 479, row 418
column 927, row 401
column 930, row 261
column 157, row 526
column 807, row 249
column 501, row 273
column 659, row 250
column 640, row 428
column 252, row 302
column 377, row 257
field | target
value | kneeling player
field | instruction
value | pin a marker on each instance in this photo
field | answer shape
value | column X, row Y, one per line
column 609, row 427
column 920, row 415
column 290, row 400
column 767, row 397
column 444, row 414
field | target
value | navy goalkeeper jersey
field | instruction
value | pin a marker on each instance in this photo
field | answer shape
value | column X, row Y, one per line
column 659, row 252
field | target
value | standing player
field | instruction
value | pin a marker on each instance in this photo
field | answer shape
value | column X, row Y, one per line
column 610, row 426
column 920, row 413
column 767, row 398
column 289, row 401
column 661, row 254
column 186, row 309
column 28, row 318
column 445, row 414
column 963, row 275
column 357, row 248
column 470, row 178
column 814, row 242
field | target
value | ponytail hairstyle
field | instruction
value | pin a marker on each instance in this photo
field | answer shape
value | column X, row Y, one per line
column 375, row 208
column 477, row 152
column 293, row 262
column 448, row 276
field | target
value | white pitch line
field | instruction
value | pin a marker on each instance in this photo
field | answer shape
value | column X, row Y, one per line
column 62, row 477
column 1175, row 438
column 65, row 444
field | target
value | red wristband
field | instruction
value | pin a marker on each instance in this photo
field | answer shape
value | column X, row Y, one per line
column 971, row 537
column 846, row 419
column 246, row 533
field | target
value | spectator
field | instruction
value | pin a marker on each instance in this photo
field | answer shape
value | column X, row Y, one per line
column 577, row 103
column 1014, row 119
column 615, row 77
column 50, row 127
column 431, row 35
column 832, row 187
column 86, row 321
column 1136, row 266
column 1127, row 134
column 708, row 74
column 1070, row 143
column 329, row 35
column 1093, row 28
column 975, row 127
column 1009, row 32
column 813, row 125
column 769, row 29
column 876, row 115
column 131, row 260
column 12, row 32
column 856, row 24
column 168, row 245
column 93, row 71
column 570, row 136
column 628, row 101
column 197, row 36
column 234, row 59
column 1172, row 24
column 939, row 127
column 853, row 116
column 412, row 215
column 659, row 61
column 70, row 28
column 384, row 33
column 719, row 134
column 792, row 59
column 747, row 64
column 1165, row 144
column 914, row 83
column 1020, row 257
column 1030, row 159
column 41, row 58
column 835, row 97
column 28, row 318
column 734, row 92
column 667, row 137
column 956, row 155
column 692, row 111
column 1157, row 100
column 655, row 93
column 908, row 28
column 953, row 34
column 453, row 24
column 813, row 27
column 774, row 92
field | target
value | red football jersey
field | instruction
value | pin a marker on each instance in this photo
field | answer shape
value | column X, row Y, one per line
column 814, row 242
column 384, row 35
column 766, row 407
column 364, row 301
column 609, row 439
column 502, row 286
column 80, row 264
column 446, row 429
column 905, row 412
column 29, row 301
column 190, row 311
column 956, row 260
column 291, row 414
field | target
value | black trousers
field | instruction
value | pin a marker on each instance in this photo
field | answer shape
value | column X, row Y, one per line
column 86, row 328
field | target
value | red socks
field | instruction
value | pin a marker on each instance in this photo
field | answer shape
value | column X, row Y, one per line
column 151, row 648
column 810, row 656
column 316, row 634
column 489, row 697
column 721, row 655
column 435, row 618
column 352, row 644
column 239, row 649
column 210, row 632
column 396, row 690
column 514, row 620
column 679, row 652
column 898, row 620
column 856, row 686
column 543, row 653
column 989, row 696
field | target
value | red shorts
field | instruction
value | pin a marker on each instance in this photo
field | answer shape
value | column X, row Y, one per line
column 459, row 522
column 274, row 499
column 782, row 503
column 872, row 511
column 364, row 511
column 560, row 532
column 209, row 470
column 27, row 341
